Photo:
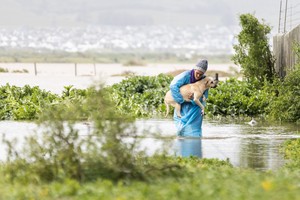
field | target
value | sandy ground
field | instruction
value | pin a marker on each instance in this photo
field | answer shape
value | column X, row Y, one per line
column 53, row 77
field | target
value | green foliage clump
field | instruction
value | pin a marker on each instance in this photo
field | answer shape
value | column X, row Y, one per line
column 3, row 70
column 253, row 53
column 23, row 103
column 141, row 96
column 144, row 97
column 26, row 103
column 201, row 179
column 286, row 106
column 291, row 150
column 234, row 98
column 20, row 71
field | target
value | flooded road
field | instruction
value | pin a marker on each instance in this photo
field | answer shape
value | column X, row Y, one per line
column 243, row 145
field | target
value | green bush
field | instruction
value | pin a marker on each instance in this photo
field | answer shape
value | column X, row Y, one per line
column 291, row 150
column 3, row 70
column 286, row 107
column 26, row 103
column 234, row 98
column 23, row 103
column 252, row 52
column 141, row 96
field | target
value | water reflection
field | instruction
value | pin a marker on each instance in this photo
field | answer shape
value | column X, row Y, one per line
column 243, row 145
column 187, row 147
column 262, row 153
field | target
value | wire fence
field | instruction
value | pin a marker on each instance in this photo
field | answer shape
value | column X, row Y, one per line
column 289, row 15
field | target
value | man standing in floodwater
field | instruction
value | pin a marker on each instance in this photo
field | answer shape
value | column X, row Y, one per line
column 190, row 124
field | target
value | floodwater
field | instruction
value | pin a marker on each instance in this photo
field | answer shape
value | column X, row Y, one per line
column 246, row 146
column 54, row 76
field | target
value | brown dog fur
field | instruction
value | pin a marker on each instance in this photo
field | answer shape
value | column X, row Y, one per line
column 196, row 88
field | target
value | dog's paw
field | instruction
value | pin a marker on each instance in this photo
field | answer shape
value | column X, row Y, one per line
column 179, row 116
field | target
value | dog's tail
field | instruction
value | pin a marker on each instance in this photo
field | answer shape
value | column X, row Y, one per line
column 167, row 108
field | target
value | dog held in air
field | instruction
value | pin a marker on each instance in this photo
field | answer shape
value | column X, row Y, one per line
column 197, row 89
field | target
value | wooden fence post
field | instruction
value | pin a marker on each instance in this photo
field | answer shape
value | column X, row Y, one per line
column 35, row 69
column 75, row 69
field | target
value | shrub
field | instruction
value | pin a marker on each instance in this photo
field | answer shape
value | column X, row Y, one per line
column 234, row 98
column 20, row 103
column 286, row 106
column 3, row 70
column 141, row 96
column 291, row 150
column 252, row 52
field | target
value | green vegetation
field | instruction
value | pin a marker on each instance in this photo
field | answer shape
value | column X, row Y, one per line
column 20, row 71
column 141, row 96
column 23, row 103
column 193, row 179
column 134, row 62
column 285, row 106
column 3, row 70
column 291, row 151
column 237, row 98
column 26, row 103
column 252, row 52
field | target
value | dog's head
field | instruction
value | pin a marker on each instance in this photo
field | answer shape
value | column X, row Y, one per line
column 210, row 82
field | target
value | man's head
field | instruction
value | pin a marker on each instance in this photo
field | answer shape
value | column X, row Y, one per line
column 200, row 69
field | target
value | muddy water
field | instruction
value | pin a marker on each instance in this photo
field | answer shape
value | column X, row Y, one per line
column 243, row 145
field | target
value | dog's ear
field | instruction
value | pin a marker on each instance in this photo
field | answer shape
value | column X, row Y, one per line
column 207, row 82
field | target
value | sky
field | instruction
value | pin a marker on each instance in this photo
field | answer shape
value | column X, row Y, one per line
column 76, row 13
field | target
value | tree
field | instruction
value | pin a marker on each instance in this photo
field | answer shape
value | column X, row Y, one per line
column 253, row 51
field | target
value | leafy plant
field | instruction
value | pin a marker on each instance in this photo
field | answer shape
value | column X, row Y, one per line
column 252, row 52
column 144, row 97
column 20, row 103
column 286, row 107
column 141, row 96
column 291, row 150
column 235, row 98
